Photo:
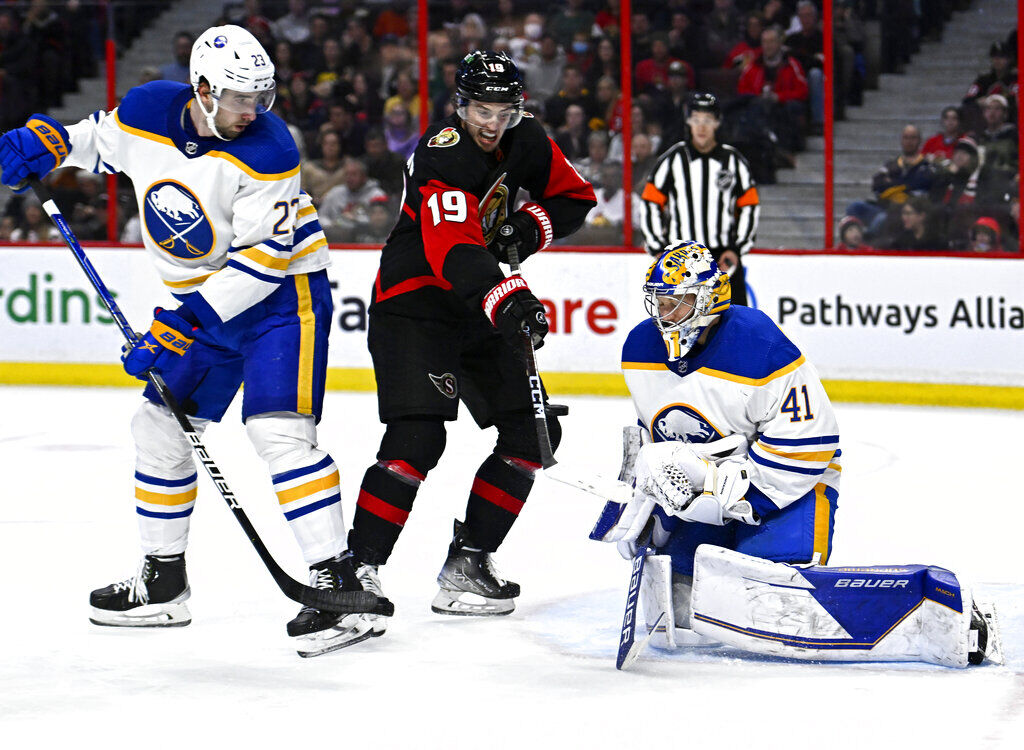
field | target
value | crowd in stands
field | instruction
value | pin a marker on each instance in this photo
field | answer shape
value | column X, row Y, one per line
column 347, row 87
column 957, row 190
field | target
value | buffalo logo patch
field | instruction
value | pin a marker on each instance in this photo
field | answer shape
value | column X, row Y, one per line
column 444, row 139
column 176, row 221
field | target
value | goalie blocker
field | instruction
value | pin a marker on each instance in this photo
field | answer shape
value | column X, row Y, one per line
column 872, row 613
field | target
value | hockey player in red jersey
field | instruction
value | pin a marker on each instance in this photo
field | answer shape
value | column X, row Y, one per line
column 445, row 326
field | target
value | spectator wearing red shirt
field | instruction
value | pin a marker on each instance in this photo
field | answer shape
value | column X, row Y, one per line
column 653, row 72
column 939, row 148
column 749, row 47
column 777, row 86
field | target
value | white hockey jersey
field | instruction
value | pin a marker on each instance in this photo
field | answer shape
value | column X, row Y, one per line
column 751, row 380
column 225, row 221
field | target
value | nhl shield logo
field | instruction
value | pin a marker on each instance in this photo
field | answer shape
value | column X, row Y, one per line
column 725, row 179
column 682, row 422
column 444, row 139
column 446, row 384
column 176, row 221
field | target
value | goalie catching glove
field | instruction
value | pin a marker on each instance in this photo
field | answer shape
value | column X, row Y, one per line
column 677, row 480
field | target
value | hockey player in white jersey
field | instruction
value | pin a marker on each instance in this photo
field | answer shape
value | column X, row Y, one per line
column 239, row 246
column 736, row 489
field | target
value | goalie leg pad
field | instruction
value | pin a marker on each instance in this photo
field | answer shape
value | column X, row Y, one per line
column 875, row 613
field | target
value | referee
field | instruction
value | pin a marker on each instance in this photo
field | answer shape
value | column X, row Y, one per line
column 703, row 191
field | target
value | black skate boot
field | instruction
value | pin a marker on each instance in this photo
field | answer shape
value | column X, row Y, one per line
column 322, row 632
column 153, row 598
column 469, row 583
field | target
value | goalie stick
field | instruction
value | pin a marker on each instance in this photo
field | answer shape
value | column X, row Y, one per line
column 629, row 649
column 337, row 602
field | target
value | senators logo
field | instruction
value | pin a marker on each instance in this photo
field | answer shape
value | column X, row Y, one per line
column 444, row 139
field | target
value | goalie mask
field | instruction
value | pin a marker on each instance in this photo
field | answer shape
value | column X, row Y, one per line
column 489, row 77
column 238, row 70
column 684, row 294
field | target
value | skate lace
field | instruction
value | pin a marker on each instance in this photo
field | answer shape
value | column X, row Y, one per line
column 136, row 585
column 367, row 576
column 323, row 579
column 488, row 566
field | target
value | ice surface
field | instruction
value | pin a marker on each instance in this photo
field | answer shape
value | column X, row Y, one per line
column 920, row 485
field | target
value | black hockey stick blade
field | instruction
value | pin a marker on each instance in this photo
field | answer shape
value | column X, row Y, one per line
column 344, row 602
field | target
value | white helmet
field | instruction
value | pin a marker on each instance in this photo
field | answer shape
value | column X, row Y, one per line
column 237, row 68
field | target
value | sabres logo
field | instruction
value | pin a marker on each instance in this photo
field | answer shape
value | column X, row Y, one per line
column 176, row 221
column 444, row 139
column 682, row 422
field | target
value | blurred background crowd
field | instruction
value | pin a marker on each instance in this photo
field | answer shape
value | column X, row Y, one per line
column 347, row 86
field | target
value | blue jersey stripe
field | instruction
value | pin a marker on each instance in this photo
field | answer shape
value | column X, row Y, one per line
column 285, row 476
column 155, row 514
column 165, row 482
column 300, row 512
column 773, row 465
column 276, row 280
column 824, row 439
column 306, row 231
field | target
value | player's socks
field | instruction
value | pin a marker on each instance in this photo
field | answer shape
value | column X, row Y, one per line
column 385, row 500
column 319, row 632
column 499, row 492
column 153, row 598
column 469, row 583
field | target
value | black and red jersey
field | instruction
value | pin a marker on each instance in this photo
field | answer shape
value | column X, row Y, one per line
column 435, row 262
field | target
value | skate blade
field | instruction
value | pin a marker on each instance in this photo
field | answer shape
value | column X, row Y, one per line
column 467, row 604
column 335, row 638
column 168, row 615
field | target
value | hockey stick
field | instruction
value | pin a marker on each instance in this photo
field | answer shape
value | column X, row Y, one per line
column 338, row 602
column 540, row 418
column 629, row 649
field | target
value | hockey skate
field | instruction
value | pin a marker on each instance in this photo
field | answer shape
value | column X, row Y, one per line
column 469, row 583
column 153, row 598
column 319, row 632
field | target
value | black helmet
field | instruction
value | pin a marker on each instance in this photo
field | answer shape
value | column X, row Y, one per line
column 704, row 102
column 489, row 77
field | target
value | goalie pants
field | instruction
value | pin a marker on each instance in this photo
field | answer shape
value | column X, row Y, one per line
column 278, row 347
column 799, row 533
column 424, row 370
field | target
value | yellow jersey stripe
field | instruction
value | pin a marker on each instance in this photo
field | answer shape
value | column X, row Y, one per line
column 311, row 249
column 143, row 133
column 307, row 345
column 309, row 488
column 188, row 282
column 644, row 366
column 160, row 499
column 822, row 514
column 250, row 171
column 304, row 212
column 799, row 456
column 267, row 261
column 753, row 381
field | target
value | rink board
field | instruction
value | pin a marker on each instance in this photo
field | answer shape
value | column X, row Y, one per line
column 900, row 329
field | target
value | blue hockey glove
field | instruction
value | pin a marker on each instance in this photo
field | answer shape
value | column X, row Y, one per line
column 168, row 338
column 35, row 149
column 519, row 232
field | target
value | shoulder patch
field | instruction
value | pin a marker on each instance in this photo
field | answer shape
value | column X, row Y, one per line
column 447, row 137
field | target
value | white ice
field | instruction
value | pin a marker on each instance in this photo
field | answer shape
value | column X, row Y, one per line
column 920, row 485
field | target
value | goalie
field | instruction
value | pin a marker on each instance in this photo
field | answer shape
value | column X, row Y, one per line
column 735, row 466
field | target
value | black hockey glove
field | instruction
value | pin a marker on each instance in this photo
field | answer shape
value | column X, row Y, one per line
column 519, row 232
column 511, row 307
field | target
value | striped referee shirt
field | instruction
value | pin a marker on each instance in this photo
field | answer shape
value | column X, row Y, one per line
column 709, row 198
